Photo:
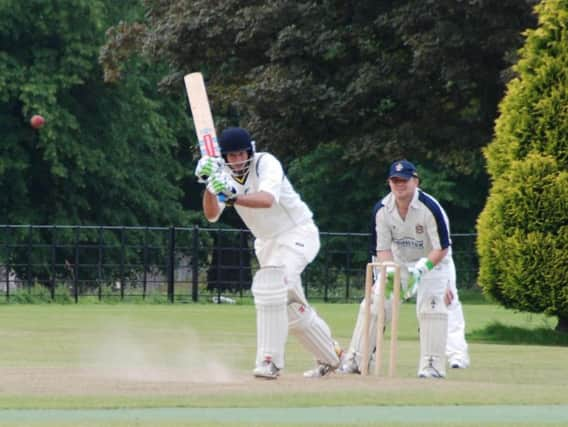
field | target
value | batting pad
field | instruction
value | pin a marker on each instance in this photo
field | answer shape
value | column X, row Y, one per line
column 433, row 320
column 270, row 297
column 313, row 333
column 356, row 346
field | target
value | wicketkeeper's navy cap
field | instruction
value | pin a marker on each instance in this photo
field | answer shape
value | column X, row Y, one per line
column 403, row 169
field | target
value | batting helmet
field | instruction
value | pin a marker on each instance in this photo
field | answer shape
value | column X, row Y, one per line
column 235, row 139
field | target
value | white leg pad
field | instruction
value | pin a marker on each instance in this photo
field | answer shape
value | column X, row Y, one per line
column 433, row 321
column 270, row 297
column 313, row 333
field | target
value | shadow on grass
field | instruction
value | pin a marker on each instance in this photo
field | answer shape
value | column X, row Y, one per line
column 498, row 333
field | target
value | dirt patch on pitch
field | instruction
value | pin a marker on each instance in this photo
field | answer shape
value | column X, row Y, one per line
column 140, row 382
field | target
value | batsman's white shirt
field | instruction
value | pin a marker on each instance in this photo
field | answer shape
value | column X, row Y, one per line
column 287, row 211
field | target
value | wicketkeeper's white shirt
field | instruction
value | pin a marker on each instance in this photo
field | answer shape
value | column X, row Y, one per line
column 425, row 227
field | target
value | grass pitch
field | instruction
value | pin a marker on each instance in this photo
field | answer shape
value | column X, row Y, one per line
column 139, row 357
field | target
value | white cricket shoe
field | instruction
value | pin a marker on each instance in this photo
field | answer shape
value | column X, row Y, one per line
column 458, row 363
column 349, row 365
column 430, row 372
column 319, row 371
column 267, row 369
column 323, row 369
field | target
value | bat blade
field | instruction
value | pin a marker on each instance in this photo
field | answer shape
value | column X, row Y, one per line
column 202, row 117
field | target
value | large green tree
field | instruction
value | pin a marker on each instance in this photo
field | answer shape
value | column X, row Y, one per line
column 106, row 154
column 523, row 230
column 377, row 79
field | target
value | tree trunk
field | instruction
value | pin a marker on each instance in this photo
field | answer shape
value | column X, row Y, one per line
column 562, row 324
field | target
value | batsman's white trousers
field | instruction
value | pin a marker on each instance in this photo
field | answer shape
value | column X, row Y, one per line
column 293, row 251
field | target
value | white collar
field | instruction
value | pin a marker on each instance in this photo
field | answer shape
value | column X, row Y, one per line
column 390, row 202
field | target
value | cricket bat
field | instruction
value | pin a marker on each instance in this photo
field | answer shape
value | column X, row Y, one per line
column 202, row 117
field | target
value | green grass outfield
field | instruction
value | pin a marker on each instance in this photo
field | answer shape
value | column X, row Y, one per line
column 161, row 365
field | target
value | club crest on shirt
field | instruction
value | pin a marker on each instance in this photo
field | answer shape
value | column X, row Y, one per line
column 419, row 229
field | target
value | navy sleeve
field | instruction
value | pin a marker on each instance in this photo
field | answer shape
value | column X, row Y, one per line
column 373, row 230
column 436, row 209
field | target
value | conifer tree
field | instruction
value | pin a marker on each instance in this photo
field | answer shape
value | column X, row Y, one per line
column 523, row 229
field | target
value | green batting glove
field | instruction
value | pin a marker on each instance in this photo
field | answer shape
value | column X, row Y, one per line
column 220, row 185
column 207, row 167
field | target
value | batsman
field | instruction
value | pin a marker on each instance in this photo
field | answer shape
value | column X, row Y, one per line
column 286, row 241
column 411, row 228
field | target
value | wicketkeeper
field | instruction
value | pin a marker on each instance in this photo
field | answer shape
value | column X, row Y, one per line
column 411, row 228
column 286, row 241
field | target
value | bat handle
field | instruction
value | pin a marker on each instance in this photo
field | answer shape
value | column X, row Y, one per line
column 223, row 198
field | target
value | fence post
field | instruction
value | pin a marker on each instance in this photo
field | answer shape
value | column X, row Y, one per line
column 218, row 248
column 145, row 255
column 195, row 265
column 326, row 276
column 348, row 268
column 53, row 261
column 122, row 260
column 100, row 255
column 29, row 267
column 8, row 268
column 242, row 238
column 171, row 264
column 76, row 267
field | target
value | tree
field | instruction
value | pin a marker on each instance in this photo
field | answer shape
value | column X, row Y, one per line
column 380, row 79
column 106, row 152
column 334, row 193
column 523, row 229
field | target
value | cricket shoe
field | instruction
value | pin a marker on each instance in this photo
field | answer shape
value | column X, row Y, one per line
column 323, row 369
column 349, row 365
column 430, row 372
column 458, row 363
column 266, row 369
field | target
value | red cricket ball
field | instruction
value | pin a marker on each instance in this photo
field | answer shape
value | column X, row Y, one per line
column 37, row 121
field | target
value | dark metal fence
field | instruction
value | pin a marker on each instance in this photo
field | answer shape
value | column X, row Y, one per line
column 180, row 264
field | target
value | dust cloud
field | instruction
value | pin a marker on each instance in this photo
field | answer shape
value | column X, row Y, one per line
column 127, row 353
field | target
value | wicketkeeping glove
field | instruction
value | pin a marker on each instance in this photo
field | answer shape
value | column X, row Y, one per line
column 422, row 266
column 389, row 282
column 207, row 167
column 411, row 286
